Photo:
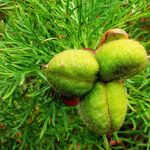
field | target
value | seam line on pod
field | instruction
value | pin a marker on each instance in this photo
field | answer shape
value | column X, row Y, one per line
column 73, row 78
column 134, row 69
column 107, row 101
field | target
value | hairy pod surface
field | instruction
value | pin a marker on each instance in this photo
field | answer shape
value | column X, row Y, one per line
column 121, row 59
column 103, row 110
column 73, row 72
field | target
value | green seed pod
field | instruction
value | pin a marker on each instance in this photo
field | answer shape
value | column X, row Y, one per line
column 121, row 59
column 73, row 72
column 103, row 110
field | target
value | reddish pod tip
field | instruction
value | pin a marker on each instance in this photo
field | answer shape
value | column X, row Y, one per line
column 113, row 142
column 70, row 101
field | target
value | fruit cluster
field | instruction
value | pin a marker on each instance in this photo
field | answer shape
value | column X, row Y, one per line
column 98, row 79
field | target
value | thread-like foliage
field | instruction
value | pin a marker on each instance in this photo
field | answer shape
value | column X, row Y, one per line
column 31, row 116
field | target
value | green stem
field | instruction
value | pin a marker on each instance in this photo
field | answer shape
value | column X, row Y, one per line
column 106, row 143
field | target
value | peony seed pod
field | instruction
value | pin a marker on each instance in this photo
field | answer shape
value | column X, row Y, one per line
column 73, row 72
column 103, row 110
column 121, row 59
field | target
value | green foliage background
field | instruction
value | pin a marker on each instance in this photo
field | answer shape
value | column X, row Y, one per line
column 33, row 32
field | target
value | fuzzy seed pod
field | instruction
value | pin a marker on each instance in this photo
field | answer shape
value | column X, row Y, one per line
column 103, row 110
column 121, row 59
column 73, row 72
